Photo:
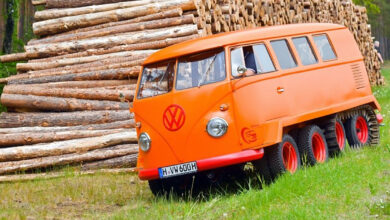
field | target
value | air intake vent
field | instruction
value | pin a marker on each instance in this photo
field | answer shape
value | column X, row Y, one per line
column 358, row 75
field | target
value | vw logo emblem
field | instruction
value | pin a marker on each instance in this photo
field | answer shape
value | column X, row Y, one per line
column 174, row 117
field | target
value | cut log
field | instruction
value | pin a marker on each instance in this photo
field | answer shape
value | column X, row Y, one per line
column 58, row 104
column 28, row 138
column 124, row 28
column 80, row 60
column 176, row 12
column 118, row 162
column 65, row 12
column 66, row 147
column 57, row 25
column 122, row 73
column 13, row 57
column 110, row 41
column 52, row 175
column 9, row 167
column 90, row 84
column 38, row 2
column 113, row 125
column 138, row 46
column 91, row 94
column 76, row 3
column 46, row 119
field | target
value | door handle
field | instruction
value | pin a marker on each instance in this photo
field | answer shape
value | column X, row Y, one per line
column 280, row 90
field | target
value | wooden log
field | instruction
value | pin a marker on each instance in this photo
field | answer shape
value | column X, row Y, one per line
column 52, row 175
column 80, row 60
column 58, row 104
column 28, row 138
column 76, row 3
column 99, row 154
column 38, row 2
column 13, row 57
column 89, row 84
column 113, row 125
column 138, row 46
column 124, row 28
column 117, row 162
column 65, row 12
column 46, row 119
column 66, row 147
column 57, row 25
column 114, row 74
column 110, row 41
column 176, row 12
column 90, row 93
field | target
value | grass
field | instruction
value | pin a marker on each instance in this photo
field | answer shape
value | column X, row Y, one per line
column 354, row 185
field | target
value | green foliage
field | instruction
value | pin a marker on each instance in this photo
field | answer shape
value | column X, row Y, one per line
column 371, row 5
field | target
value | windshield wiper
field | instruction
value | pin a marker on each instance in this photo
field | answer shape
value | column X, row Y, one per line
column 201, row 81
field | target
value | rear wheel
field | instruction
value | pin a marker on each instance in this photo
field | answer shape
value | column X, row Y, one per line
column 312, row 145
column 283, row 157
column 335, row 135
column 357, row 130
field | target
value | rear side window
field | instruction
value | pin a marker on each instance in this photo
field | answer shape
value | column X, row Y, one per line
column 263, row 60
column 324, row 47
column 305, row 51
column 283, row 53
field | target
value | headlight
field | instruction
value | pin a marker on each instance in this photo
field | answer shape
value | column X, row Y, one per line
column 217, row 127
column 144, row 141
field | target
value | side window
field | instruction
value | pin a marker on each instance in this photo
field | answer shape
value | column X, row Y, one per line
column 324, row 47
column 305, row 51
column 283, row 54
column 263, row 60
column 237, row 59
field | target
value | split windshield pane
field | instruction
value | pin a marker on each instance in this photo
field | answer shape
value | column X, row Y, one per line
column 201, row 69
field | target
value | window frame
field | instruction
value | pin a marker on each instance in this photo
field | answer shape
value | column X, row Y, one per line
column 314, row 53
column 291, row 50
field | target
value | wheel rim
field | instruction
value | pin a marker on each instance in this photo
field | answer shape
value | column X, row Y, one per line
column 290, row 159
column 318, row 147
column 340, row 136
column 362, row 129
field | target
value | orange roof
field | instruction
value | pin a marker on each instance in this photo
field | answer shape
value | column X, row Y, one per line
column 237, row 37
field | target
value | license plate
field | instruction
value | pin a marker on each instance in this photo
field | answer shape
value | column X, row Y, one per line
column 177, row 170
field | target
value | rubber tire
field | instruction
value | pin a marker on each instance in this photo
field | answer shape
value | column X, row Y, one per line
column 305, row 144
column 275, row 157
column 331, row 136
column 350, row 131
column 262, row 169
column 175, row 186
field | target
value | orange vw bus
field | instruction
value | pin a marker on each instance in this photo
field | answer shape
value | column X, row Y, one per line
column 271, row 96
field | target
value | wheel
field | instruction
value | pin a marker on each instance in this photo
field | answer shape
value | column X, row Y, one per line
column 335, row 135
column 357, row 130
column 262, row 169
column 312, row 145
column 283, row 157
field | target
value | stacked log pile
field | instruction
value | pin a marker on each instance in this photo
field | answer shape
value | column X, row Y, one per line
column 69, row 103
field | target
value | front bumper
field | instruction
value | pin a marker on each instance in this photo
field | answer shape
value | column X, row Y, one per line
column 211, row 163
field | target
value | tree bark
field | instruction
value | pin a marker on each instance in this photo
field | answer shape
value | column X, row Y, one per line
column 90, row 93
column 66, row 147
column 76, row 3
column 100, row 154
column 9, row 27
column 124, row 28
column 47, row 119
column 28, row 138
column 114, row 74
column 58, row 104
column 81, row 60
column 176, row 12
column 66, row 12
column 58, row 25
column 117, row 162
column 90, row 84
column 111, row 41
column 91, row 127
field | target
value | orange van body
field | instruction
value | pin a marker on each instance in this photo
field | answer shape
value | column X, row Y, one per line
column 258, row 109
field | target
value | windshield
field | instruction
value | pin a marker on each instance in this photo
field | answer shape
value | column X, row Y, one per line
column 200, row 69
column 157, row 79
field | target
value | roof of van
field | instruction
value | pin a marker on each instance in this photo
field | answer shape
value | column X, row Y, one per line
column 237, row 37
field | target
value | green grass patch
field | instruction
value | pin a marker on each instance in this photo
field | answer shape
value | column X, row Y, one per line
column 355, row 185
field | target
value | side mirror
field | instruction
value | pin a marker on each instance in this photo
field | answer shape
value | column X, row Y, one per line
column 241, row 70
